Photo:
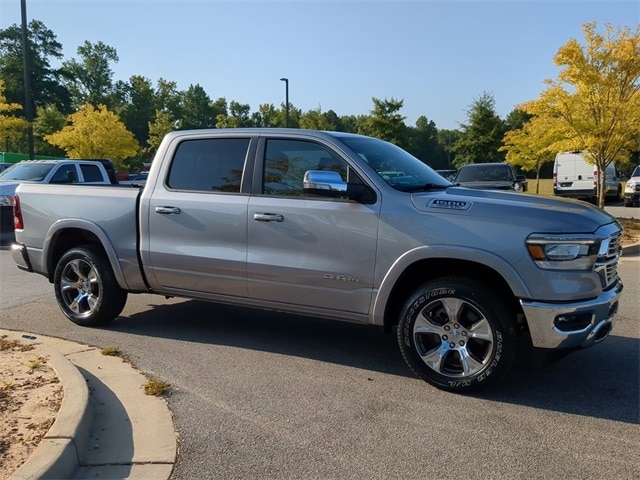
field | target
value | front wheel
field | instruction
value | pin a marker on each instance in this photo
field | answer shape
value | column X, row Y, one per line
column 86, row 288
column 456, row 335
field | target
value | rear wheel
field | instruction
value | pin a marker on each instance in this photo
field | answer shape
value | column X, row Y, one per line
column 86, row 288
column 456, row 335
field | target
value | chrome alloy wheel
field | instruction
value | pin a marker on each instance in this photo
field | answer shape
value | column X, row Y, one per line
column 453, row 337
column 80, row 287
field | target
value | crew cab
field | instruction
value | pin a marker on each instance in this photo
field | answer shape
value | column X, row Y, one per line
column 339, row 226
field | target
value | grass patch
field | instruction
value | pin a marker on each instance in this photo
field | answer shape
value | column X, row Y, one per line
column 156, row 387
column 110, row 351
column 35, row 364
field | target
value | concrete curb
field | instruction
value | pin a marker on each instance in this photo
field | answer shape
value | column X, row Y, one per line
column 57, row 454
column 631, row 250
column 106, row 426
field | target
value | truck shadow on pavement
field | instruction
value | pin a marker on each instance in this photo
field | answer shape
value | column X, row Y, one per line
column 599, row 382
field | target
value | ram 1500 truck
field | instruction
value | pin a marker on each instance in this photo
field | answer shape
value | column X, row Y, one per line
column 339, row 226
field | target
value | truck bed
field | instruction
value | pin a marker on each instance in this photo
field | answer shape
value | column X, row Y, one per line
column 45, row 209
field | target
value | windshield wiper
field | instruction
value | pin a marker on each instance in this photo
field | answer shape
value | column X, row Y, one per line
column 426, row 187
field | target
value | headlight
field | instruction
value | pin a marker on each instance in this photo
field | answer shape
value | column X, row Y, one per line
column 560, row 252
column 6, row 200
column 631, row 185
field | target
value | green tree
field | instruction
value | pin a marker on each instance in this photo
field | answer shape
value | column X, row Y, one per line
column 533, row 145
column 481, row 137
column 315, row 120
column 48, row 120
column 96, row 133
column 516, row 119
column 197, row 109
column 447, row 139
column 386, row 123
column 265, row 116
column 238, row 116
column 46, row 82
column 423, row 143
column 169, row 98
column 596, row 96
column 91, row 78
column 12, row 128
column 140, row 107
column 351, row 123
column 280, row 117
column 163, row 124
column 332, row 120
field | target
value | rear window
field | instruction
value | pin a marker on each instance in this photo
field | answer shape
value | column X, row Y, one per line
column 91, row 173
column 208, row 165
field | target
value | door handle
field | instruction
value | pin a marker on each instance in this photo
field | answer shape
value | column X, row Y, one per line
column 168, row 210
column 268, row 217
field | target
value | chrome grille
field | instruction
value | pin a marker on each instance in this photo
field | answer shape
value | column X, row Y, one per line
column 607, row 263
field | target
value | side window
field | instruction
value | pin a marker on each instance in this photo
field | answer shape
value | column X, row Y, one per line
column 286, row 161
column 208, row 165
column 65, row 174
column 91, row 173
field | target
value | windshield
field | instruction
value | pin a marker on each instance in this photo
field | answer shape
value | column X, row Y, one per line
column 636, row 172
column 484, row 173
column 34, row 172
column 398, row 168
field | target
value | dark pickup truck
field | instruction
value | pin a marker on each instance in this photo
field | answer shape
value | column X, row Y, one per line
column 493, row 176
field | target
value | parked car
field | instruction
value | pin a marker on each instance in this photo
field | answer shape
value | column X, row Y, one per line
column 632, row 189
column 493, row 176
column 448, row 174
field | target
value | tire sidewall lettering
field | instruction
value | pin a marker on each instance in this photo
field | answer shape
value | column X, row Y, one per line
column 490, row 370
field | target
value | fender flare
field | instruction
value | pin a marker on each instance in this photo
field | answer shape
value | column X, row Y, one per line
column 81, row 224
column 480, row 257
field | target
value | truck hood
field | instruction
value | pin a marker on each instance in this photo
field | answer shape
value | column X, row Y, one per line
column 541, row 214
column 9, row 187
column 495, row 185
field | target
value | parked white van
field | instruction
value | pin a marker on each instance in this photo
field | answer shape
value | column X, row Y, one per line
column 574, row 177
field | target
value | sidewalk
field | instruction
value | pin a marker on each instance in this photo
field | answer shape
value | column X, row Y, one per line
column 107, row 427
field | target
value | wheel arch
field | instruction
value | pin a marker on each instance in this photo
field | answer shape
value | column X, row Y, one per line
column 400, row 283
column 63, row 237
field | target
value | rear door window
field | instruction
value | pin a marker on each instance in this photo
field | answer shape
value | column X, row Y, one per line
column 209, row 165
column 91, row 173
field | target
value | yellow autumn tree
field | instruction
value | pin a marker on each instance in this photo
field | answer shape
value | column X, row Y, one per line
column 596, row 96
column 96, row 133
column 12, row 128
column 535, row 144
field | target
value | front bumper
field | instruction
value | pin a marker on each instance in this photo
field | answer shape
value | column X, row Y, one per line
column 597, row 318
column 632, row 196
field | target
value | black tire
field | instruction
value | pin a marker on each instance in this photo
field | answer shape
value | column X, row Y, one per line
column 86, row 288
column 456, row 335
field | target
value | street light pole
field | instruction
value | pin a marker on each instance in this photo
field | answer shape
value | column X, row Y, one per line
column 286, row 107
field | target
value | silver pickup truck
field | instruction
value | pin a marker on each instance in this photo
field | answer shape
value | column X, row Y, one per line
column 339, row 226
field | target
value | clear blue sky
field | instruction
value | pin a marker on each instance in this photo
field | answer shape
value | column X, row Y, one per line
column 438, row 56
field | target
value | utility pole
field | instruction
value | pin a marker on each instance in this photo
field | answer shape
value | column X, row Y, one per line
column 28, row 104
